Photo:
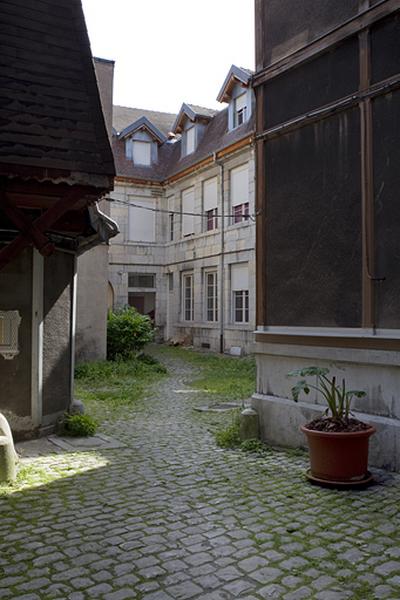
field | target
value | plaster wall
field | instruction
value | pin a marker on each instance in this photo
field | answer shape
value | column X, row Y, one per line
column 195, row 253
column 15, row 374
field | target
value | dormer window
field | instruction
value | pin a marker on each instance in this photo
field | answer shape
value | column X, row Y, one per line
column 141, row 153
column 240, row 110
column 190, row 137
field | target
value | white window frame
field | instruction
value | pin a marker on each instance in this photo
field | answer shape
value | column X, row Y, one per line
column 210, row 203
column 243, row 296
column 211, row 301
column 240, row 115
column 187, row 309
column 239, row 199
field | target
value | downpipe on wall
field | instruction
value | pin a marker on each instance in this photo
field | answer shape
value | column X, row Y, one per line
column 222, row 262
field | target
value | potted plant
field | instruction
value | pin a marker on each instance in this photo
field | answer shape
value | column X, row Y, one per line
column 338, row 442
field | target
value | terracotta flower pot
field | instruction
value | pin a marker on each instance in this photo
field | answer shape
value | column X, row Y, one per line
column 340, row 457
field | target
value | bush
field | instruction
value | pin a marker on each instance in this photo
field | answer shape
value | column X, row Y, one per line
column 230, row 436
column 127, row 332
column 79, row 425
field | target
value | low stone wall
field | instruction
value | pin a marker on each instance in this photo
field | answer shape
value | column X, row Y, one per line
column 375, row 372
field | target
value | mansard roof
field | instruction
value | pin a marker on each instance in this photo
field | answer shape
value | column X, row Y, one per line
column 192, row 112
column 50, row 112
column 216, row 137
column 235, row 75
column 140, row 124
column 124, row 116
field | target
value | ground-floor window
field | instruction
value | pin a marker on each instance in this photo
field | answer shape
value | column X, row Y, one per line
column 241, row 306
column 211, row 295
column 240, row 292
column 187, row 297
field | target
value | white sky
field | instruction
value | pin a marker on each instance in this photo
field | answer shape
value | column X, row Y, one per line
column 171, row 51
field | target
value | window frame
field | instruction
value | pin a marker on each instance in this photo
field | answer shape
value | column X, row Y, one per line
column 137, row 142
column 188, row 310
column 240, row 116
column 244, row 297
column 190, row 129
column 211, row 311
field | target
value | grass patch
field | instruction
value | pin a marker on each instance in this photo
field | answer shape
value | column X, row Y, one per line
column 108, row 385
column 224, row 377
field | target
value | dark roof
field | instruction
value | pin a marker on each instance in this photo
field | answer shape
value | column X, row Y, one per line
column 144, row 123
column 123, row 116
column 192, row 112
column 234, row 74
column 215, row 137
column 50, row 111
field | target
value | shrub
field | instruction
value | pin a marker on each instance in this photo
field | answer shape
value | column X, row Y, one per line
column 230, row 436
column 79, row 425
column 127, row 332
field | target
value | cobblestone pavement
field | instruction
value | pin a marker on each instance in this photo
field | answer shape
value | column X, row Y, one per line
column 171, row 517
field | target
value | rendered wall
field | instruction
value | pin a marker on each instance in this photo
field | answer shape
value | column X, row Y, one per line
column 15, row 375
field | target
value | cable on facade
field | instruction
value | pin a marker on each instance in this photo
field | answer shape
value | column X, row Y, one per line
column 252, row 217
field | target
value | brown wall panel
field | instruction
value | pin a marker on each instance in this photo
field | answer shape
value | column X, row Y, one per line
column 386, row 119
column 313, row 212
column 320, row 81
column 385, row 48
column 292, row 24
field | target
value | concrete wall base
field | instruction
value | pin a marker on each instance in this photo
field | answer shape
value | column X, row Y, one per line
column 280, row 421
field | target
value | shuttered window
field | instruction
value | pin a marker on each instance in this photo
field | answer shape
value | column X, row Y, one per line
column 210, row 203
column 142, row 153
column 141, row 221
column 187, row 207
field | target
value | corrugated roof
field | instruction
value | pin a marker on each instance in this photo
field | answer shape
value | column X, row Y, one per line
column 124, row 116
column 50, row 111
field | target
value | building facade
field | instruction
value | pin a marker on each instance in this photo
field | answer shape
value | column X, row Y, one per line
column 184, row 201
column 328, row 272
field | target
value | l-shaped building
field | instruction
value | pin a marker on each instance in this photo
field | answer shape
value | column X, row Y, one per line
column 184, row 201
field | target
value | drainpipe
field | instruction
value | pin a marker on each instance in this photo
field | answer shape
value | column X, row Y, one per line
column 222, row 266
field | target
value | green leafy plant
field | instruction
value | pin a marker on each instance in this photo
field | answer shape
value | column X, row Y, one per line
column 337, row 397
column 230, row 436
column 127, row 333
column 79, row 425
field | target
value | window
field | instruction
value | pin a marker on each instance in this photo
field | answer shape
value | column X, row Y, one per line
column 142, row 224
column 241, row 306
column 170, row 282
column 190, row 137
column 187, row 208
column 240, row 293
column 171, row 227
column 212, row 220
column 241, row 212
column 240, row 110
column 211, row 296
column 187, row 300
column 142, row 153
column 141, row 280
column 210, row 203
column 240, row 193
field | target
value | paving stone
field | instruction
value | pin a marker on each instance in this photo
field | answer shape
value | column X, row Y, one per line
column 198, row 521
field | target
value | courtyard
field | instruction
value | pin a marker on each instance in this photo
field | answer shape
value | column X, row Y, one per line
column 171, row 516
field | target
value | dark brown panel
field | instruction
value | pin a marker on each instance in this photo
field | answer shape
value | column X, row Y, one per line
column 292, row 25
column 386, row 120
column 325, row 341
column 385, row 48
column 313, row 212
column 320, row 81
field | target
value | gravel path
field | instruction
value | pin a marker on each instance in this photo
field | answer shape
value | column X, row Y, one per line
column 172, row 517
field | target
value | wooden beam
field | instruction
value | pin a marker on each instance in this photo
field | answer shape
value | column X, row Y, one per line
column 331, row 341
column 367, row 186
column 42, row 223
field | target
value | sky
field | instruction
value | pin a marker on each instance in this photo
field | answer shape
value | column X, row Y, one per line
column 171, row 51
